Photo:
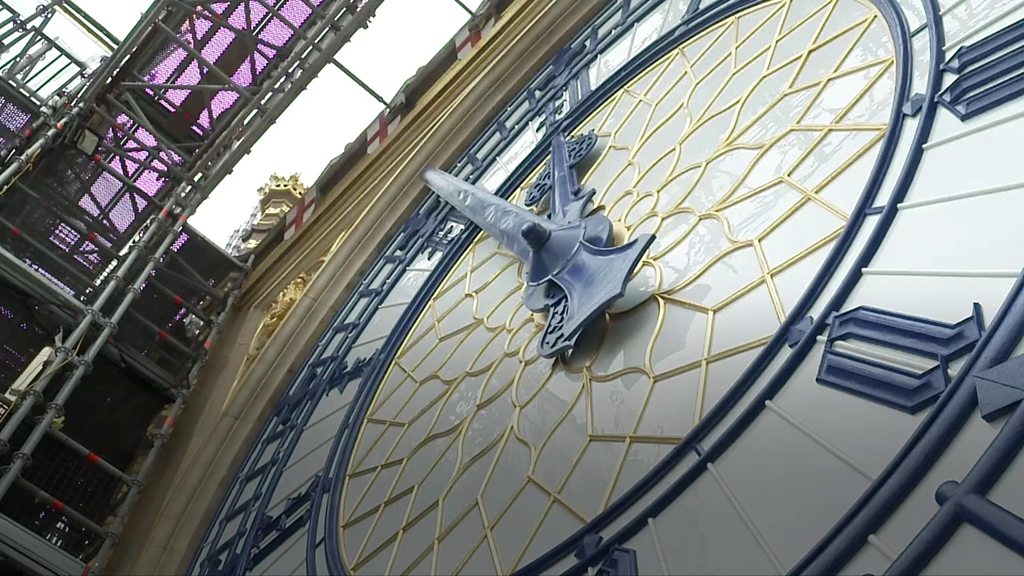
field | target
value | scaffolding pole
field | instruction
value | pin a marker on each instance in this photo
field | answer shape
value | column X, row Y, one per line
column 24, row 160
column 82, row 363
column 90, row 456
column 59, row 506
column 64, row 352
column 113, row 532
column 315, row 53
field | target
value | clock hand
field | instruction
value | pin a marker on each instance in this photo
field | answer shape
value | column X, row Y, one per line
column 565, row 183
column 502, row 220
column 571, row 268
column 567, row 203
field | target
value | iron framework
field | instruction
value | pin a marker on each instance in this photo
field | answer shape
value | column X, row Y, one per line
column 103, row 163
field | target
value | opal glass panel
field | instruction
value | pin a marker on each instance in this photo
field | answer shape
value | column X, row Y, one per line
column 739, row 150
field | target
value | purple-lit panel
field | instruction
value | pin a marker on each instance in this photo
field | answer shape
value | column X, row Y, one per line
column 179, row 241
column 123, row 214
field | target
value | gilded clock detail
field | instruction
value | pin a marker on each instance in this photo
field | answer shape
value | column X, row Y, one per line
column 743, row 151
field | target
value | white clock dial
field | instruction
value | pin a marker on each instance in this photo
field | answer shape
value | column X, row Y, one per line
column 743, row 150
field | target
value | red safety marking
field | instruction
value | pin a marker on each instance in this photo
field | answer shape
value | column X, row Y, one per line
column 468, row 41
column 183, row 218
column 169, row 423
column 165, row 213
column 92, row 457
column 97, row 158
column 379, row 132
column 27, row 133
column 300, row 214
column 91, row 236
column 86, row 570
column 162, row 336
column 208, row 344
column 57, row 505
column 15, row 231
column 178, row 299
column 60, row 125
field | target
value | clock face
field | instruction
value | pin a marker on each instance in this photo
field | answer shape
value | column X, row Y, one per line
column 810, row 370
column 744, row 150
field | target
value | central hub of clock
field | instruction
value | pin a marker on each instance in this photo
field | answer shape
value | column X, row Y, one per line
column 573, row 269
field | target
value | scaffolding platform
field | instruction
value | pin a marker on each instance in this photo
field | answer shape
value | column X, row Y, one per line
column 103, row 162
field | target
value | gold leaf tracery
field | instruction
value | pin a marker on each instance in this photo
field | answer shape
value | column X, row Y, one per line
column 744, row 151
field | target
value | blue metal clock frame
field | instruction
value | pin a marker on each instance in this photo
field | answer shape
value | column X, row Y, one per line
column 243, row 532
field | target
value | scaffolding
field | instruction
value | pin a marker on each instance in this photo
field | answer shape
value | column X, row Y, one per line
column 103, row 164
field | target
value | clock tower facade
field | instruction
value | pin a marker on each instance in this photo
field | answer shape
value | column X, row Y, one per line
column 638, row 288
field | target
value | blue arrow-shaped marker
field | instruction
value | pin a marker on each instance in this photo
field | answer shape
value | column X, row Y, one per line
column 1000, row 388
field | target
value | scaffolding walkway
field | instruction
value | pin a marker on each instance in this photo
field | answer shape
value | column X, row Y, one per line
column 102, row 280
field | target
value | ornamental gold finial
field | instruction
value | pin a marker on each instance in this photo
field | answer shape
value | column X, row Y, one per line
column 277, row 197
column 278, row 186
